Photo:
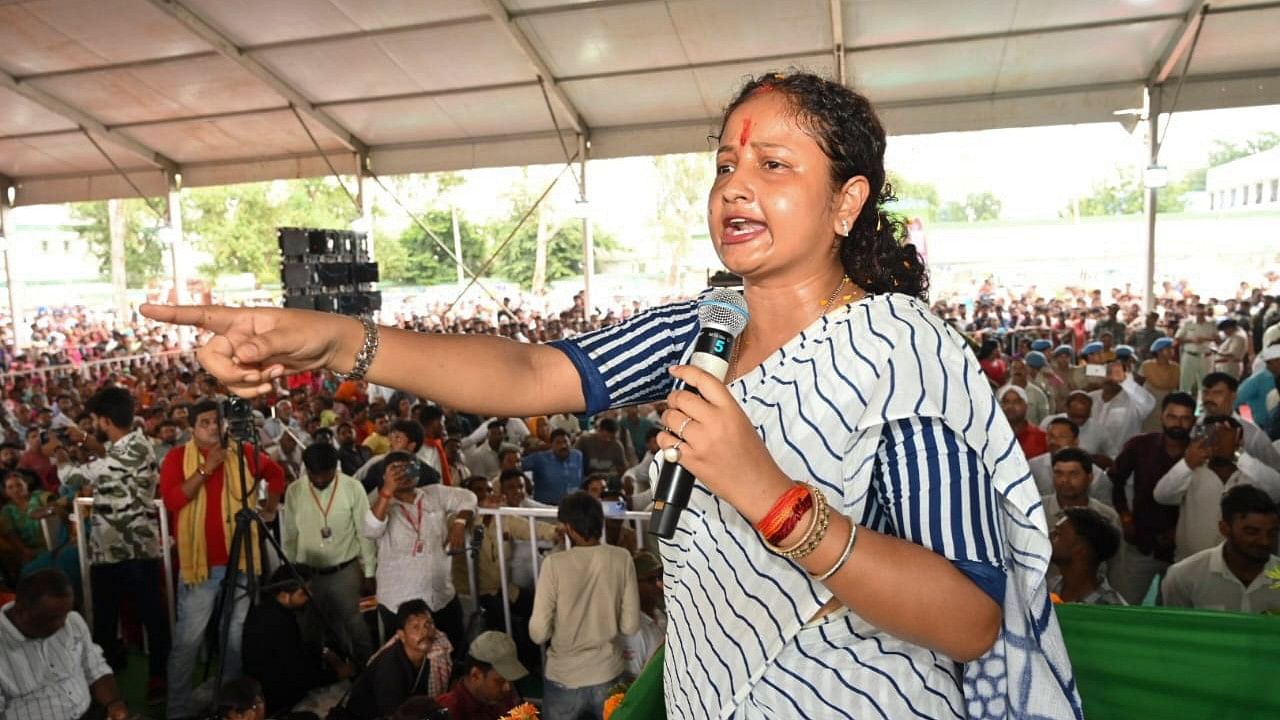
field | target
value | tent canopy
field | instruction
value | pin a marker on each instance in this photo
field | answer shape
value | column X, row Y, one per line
column 216, row 91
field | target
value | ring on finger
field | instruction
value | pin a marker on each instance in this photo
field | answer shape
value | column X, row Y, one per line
column 672, row 454
column 680, row 433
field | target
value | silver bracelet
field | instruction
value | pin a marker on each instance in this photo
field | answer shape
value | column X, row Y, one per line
column 844, row 557
column 368, row 351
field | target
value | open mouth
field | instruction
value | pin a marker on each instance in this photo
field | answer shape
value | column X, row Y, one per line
column 741, row 229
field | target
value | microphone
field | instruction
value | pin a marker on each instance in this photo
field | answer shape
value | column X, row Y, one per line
column 722, row 315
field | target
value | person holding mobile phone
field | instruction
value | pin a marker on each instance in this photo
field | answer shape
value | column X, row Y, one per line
column 1120, row 406
column 414, row 529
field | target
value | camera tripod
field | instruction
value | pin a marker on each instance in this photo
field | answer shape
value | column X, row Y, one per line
column 241, row 432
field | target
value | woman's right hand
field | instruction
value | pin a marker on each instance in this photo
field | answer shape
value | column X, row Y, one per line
column 251, row 347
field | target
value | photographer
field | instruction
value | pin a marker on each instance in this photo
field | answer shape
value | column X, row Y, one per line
column 124, row 539
column 413, row 527
column 202, row 486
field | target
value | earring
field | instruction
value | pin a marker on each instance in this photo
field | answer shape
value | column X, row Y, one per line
column 844, row 225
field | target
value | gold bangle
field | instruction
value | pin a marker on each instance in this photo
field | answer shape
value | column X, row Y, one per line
column 815, row 538
column 816, row 531
column 844, row 556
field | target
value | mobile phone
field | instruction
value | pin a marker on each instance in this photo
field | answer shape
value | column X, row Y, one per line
column 1094, row 370
column 614, row 508
column 1203, row 432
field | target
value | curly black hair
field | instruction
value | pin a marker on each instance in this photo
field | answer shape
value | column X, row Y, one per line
column 875, row 253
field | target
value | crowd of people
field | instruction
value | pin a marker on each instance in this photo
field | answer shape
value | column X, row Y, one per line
column 1150, row 437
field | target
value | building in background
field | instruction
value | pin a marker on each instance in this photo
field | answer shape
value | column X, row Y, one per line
column 1251, row 182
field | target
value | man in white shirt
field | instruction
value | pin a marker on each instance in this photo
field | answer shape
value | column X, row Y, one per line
column 1198, row 481
column 288, row 455
column 483, row 459
column 515, row 431
column 1229, row 355
column 413, row 527
column 273, row 427
column 1062, row 433
column 1219, row 398
column 586, row 597
column 1233, row 575
column 1119, row 407
column 50, row 669
column 1194, row 338
column 641, row 483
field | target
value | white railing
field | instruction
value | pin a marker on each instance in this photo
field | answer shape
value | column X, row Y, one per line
column 90, row 367
column 82, row 507
column 532, row 515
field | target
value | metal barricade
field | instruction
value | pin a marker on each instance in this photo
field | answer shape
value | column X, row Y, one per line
column 89, row 367
column 82, row 507
column 531, row 515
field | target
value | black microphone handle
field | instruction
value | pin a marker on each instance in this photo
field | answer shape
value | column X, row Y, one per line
column 675, row 485
column 712, row 351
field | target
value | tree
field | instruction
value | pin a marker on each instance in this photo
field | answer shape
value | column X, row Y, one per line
column 982, row 206
column 1122, row 193
column 144, row 253
column 683, row 181
column 236, row 224
column 397, row 254
column 425, row 262
column 1225, row 152
column 976, row 207
column 915, row 199
column 562, row 236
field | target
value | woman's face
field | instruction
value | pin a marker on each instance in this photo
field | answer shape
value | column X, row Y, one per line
column 771, row 210
column 15, row 489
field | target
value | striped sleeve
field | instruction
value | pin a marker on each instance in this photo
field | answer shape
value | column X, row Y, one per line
column 627, row 364
column 937, row 493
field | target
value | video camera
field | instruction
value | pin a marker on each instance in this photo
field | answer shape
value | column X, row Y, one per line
column 238, row 416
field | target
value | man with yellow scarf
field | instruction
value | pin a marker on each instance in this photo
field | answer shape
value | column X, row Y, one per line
column 201, row 489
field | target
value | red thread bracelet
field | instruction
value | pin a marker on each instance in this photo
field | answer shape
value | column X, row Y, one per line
column 797, row 512
column 781, row 510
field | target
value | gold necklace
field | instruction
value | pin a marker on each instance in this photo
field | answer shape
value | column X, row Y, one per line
column 824, row 305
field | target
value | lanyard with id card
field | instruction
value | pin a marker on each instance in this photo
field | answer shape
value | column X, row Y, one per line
column 326, row 532
column 415, row 523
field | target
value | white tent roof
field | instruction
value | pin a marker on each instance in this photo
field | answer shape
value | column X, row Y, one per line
column 204, row 87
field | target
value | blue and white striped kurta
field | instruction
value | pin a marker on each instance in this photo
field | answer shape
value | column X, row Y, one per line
column 882, row 406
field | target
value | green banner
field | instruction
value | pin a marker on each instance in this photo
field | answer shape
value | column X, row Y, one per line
column 1130, row 662
column 1136, row 662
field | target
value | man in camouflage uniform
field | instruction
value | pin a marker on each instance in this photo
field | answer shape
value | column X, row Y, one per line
column 124, row 536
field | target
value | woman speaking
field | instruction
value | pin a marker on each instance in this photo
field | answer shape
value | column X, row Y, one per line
column 864, row 539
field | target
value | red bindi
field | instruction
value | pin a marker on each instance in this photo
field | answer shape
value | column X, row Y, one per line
column 745, row 135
